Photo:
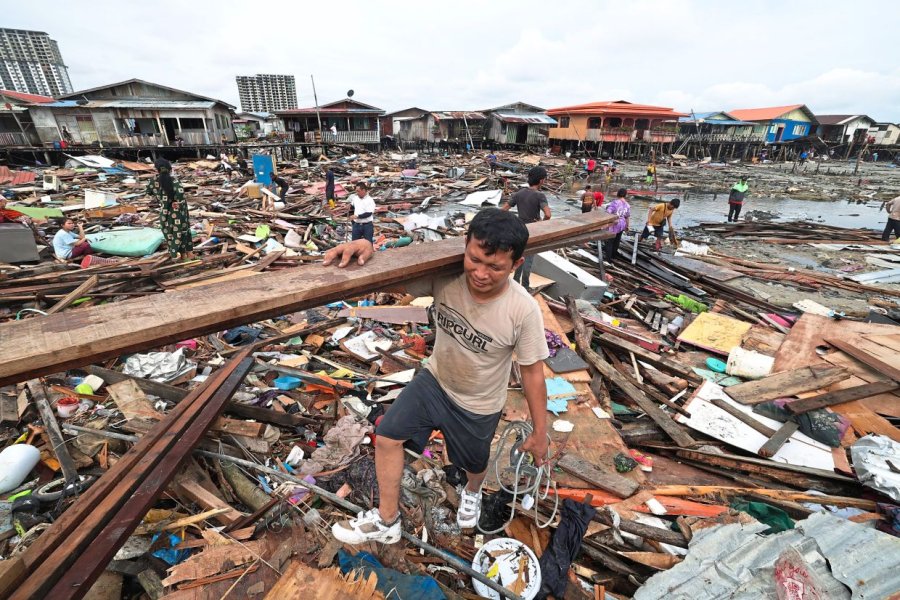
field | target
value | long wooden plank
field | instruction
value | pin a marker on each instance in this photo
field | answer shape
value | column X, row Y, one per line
column 786, row 383
column 866, row 358
column 51, row 344
column 77, row 561
column 658, row 360
column 74, row 295
column 609, row 481
column 73, row 518
column 774, row 444
column 840, row 396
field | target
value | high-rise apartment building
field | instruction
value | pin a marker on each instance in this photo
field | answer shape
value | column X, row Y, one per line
column 266, row 93
column 30, row 62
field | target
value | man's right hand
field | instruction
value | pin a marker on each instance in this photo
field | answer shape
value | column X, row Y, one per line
column 362, row 249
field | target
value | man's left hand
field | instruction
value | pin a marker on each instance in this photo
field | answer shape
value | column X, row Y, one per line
column 538, row 445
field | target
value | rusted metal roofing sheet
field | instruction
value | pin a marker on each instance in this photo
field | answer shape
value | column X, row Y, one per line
column 734, row 560
column 447, row 115
column 8, row 177
column 535, row 118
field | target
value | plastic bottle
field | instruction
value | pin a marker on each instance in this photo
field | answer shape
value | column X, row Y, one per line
column 16, row 462
column 675, row 325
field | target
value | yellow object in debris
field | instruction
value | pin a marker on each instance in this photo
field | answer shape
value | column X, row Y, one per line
column 341, row 373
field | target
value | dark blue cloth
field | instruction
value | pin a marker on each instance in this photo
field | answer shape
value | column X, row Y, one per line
column 391, row 583
column 364, row 231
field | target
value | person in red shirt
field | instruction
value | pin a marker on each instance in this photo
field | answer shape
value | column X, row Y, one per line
column 591, row 166
column 8, row 215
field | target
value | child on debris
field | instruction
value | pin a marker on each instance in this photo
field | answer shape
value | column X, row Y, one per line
column 492, row 162
column 282, row 185
column 657, row 217
column 651, row 173
column 363, row 214
column 619, row 207
column 482, row 319
column 736, row 199
column 591, row 167
column 67, row 244
column 173, row 212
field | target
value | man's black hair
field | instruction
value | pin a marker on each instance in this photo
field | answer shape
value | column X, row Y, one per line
column 587, row 187
column 499, row 230
column 536, row 175
column 675, row 202
column 621, row 193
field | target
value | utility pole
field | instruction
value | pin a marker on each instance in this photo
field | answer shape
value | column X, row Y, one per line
column 316, row 98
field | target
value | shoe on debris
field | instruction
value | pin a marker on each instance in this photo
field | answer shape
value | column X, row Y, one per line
column 368, row 526
column 469, row 509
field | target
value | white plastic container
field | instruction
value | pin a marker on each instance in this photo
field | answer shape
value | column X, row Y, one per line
column 16, row 462
column 748, row 364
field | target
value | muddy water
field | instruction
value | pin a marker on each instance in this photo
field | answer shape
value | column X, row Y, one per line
column 707, row 208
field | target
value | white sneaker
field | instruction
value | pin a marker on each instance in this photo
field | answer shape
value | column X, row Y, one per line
column 366, row 527
column 469, row 509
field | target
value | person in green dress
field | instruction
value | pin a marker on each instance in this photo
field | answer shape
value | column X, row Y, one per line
column 173, row 212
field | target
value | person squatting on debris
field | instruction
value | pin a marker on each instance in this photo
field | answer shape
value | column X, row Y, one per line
column 529, row 203
column 657, row 217
column 363, row 214
column 173, row 211
column 8, row 215
column 619, row 207
column 736, row 199
column 482, row 318
column 67, row 244
column 893, row 223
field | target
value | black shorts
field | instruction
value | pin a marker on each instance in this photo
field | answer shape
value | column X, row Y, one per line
column 423, row 407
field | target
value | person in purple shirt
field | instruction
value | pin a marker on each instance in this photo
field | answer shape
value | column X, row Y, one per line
column 619, row 207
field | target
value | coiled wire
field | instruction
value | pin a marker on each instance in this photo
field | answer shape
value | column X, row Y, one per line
column 521, row 430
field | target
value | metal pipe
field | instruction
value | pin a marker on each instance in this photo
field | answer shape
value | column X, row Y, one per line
column 334, row 499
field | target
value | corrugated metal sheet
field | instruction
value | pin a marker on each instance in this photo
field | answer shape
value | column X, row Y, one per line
column 151, row 103
column 458, row 114
column 8, row 177
column 735, row 561
column 536, row 118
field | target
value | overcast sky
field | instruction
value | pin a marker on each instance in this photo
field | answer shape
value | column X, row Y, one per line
column 835, row 57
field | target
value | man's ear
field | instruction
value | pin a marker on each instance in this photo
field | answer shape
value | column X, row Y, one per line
column 518, row 263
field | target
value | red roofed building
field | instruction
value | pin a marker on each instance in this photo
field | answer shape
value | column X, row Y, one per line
column 617, row 121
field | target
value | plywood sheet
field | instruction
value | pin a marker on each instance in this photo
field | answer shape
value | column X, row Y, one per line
column 703, row 268
column 715, row 332
column 809, row 332
column 799, row 450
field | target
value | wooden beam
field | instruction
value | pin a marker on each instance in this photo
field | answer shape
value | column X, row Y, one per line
column 609, row 481
column 743, row 417
column 866, row 358
column 57, row 342
column 774, row 443
column 786, row 383
column 74, row 295
column 672, row 429
column 657, row 360
column 840, row 396
column 66, row 464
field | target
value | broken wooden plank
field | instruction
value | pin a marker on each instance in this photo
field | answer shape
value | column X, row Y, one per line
column 609, row 481
column 398, row 315
column 672, row 429
column 840, row 396
column 786, row 383
column 743, row 417
column 866, row 358
column 66, row 464
column 199, row 494
column 74, row 295
column 660, row 361
column 774, row 443
column 57, row 342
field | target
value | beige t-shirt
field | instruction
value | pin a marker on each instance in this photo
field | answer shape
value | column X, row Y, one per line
column 475, row 341
column 893, row 208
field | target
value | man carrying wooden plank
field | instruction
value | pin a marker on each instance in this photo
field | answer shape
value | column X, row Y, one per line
column 482, row 319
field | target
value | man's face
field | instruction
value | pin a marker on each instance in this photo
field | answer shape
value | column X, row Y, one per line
column 2, row 202
column 487, row 274
column 361, row 191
